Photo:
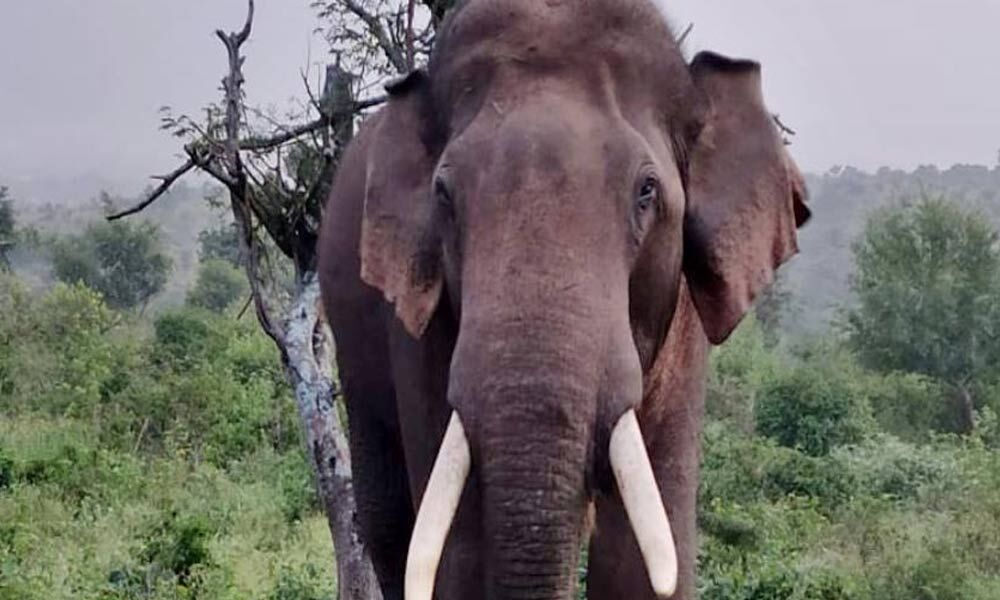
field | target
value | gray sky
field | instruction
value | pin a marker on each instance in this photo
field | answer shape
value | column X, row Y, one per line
column 865, row 82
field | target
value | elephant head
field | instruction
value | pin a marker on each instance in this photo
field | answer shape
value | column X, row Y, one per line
column 550, row 180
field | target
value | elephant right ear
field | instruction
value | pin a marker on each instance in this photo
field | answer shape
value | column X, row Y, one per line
column 400, row 247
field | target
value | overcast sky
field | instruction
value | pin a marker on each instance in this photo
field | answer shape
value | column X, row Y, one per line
column 864, row 82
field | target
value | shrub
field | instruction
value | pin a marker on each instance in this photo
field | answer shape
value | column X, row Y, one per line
column 218, row 285
column 813, row 409
column 908, row 405
column 305, row 583
column 790, row 472
column 186, row 338
column 6, row 471
column 177, row 544
column 887, row 467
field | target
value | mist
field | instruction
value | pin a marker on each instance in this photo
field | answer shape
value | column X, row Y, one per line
column 898, row 83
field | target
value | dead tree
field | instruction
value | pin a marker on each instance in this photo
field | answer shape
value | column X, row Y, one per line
column 271, row 214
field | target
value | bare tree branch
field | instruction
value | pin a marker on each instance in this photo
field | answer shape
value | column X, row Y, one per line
column 259, row 144
column 166, row 181
column 684, row 36
column 410, row 8
column 391, row 50
column 784, row 129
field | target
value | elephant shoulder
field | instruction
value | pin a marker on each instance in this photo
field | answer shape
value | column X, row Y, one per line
column 676, row 383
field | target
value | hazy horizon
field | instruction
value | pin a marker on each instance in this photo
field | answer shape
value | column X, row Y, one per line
column 900, row 84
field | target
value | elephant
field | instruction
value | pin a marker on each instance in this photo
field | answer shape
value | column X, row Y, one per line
column 525, row 258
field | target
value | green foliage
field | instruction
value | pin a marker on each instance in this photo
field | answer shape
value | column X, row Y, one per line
column 737, row 371
column 774, row 306
column 160, row 458
column 908, row 405
column 813, row 408
column 218, row 285
column 928, row 288
column 829, row 515
column 178, row 544
column 303, row 583
column 148, row 463
column 124, row 262
column 184, row 339
column 221, row 243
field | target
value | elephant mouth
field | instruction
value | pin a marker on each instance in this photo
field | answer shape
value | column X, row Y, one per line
column 636, row 486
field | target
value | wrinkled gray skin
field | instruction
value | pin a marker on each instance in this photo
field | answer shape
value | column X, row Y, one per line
column 543, row 230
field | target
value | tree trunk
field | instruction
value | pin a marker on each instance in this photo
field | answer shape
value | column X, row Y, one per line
column 966, row 418
column 307, row 363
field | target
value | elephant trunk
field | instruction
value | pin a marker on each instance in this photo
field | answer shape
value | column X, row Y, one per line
column 534, row 458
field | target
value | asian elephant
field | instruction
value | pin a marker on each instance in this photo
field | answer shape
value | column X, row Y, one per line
column 524, row 260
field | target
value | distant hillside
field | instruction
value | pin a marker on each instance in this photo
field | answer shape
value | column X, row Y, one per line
column 841, row 200
column 818, row 279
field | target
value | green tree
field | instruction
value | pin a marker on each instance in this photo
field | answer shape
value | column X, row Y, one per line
column 217, row 286
column 928, row 287
column 773, row 306
column 220, row 243
column 813, row 408
column 123, row 261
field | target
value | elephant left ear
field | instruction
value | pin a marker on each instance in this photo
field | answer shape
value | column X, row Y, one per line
column 746, row 197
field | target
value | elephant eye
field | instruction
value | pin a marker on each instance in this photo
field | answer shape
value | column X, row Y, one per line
column 648, row 194
column 443, row 194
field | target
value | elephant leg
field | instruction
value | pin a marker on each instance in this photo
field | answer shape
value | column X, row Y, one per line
column 616, row 569
column 381, row 487
column 420, row 371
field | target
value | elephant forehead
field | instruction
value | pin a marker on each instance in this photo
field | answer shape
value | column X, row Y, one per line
column 560, row 31
column 622, row 50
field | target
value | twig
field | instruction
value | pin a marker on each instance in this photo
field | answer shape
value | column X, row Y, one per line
column 784, row 129
column 390, row 50
column 243, row 310
column 254, row 144
column 165, row 182
column 207, row 162
column 684, row 36
column 410, row 8
column 142, row 432
column 258, row 144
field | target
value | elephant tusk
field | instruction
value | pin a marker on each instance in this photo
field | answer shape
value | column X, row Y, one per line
column 643, row 504
column 437, row 511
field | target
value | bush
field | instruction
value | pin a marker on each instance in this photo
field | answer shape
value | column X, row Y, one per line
column 813, row 409
column 890, row 468
column 790, row 473
column 218, row 285
column 186, row 338
column 6, row 471
column 737, row 370
column 177, row 544
column 746, row 470
column 908, row 405
column 306, row 583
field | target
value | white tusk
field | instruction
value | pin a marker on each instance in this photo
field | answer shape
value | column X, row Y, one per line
column 643, row 504
column 437, row 511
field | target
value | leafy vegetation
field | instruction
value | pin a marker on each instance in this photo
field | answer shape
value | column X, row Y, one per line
column 158, row 456
column 124, row 262
column 928, row 288
column 835, row 504
column 142, row 461
column 218, row 285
